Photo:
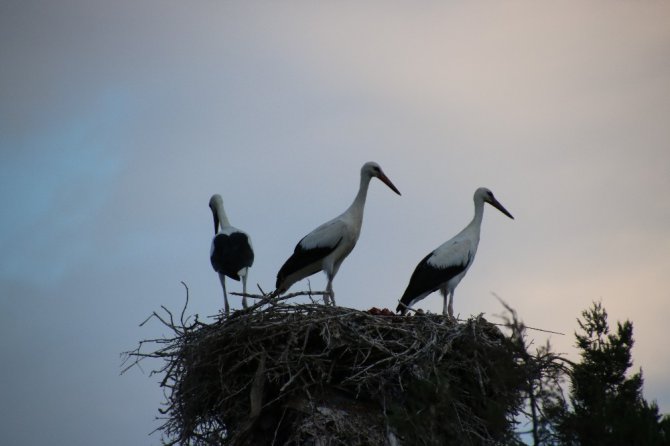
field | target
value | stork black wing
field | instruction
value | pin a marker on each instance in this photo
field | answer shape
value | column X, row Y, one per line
column 301, row 258
column 231, row 253
column 427, row 278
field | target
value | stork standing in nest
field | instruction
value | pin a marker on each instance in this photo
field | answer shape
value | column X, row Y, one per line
column 231, row 252
column 327, row 246
column 444, row 268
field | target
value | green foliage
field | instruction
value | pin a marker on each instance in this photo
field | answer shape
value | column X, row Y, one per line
column 607, row 405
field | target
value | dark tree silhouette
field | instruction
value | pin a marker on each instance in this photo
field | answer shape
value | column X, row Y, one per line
column 607, row 406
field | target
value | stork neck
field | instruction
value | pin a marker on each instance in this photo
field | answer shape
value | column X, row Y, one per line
column 359, row 202
column 476, row 222
column 223, row 218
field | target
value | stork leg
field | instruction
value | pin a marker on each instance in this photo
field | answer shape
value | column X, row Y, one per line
column 445, row 294
column 244, row 291
column 330, row 296
column 226, row 308
column 451, row 305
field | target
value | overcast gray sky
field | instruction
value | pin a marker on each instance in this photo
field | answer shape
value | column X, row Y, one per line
column 118, row 120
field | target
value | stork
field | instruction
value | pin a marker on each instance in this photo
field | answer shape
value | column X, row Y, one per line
column 444, row 268
column 231, row 253
column 327, row 246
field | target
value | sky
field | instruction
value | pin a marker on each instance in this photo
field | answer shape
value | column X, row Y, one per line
column 118, row 121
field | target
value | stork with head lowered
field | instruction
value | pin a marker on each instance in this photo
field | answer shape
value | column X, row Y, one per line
column 231, row 252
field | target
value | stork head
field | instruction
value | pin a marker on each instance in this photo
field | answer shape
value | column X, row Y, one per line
column 372, row 169
column 486, row 195
column 216, row 205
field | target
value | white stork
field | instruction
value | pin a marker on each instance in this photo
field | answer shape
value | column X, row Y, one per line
column 231, row 252
column 444, row 268
column 327, row 246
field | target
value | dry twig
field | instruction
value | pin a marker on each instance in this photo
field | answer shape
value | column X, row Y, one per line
column 277, row 373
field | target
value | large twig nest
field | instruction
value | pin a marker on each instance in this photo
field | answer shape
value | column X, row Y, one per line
column 319, row 375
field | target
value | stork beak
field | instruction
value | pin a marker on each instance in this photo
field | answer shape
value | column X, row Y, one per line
column 216, row 223
column 496, row 204
column 386, row 181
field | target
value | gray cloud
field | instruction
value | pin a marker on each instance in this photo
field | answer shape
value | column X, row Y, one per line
column 121, row 119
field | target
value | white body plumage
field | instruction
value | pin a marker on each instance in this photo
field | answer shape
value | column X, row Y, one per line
column 445, row 267
column 326, row 247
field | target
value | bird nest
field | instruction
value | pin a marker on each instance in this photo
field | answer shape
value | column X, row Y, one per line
column 310, row 374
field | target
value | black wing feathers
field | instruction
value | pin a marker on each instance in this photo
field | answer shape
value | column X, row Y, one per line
column 427, row 278
column 231, row 253
column 301, row 258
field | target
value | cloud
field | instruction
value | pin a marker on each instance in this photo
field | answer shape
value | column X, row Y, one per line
column 122, row 119
column 54, row 181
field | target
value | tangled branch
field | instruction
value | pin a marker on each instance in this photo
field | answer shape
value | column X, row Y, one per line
column 279, row 373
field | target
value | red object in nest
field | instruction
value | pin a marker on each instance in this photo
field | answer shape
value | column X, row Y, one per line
column 383, row 312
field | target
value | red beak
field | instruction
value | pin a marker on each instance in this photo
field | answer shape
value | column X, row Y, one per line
column 388, row 182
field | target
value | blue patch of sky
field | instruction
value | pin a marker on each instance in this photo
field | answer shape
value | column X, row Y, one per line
column 52, row 182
